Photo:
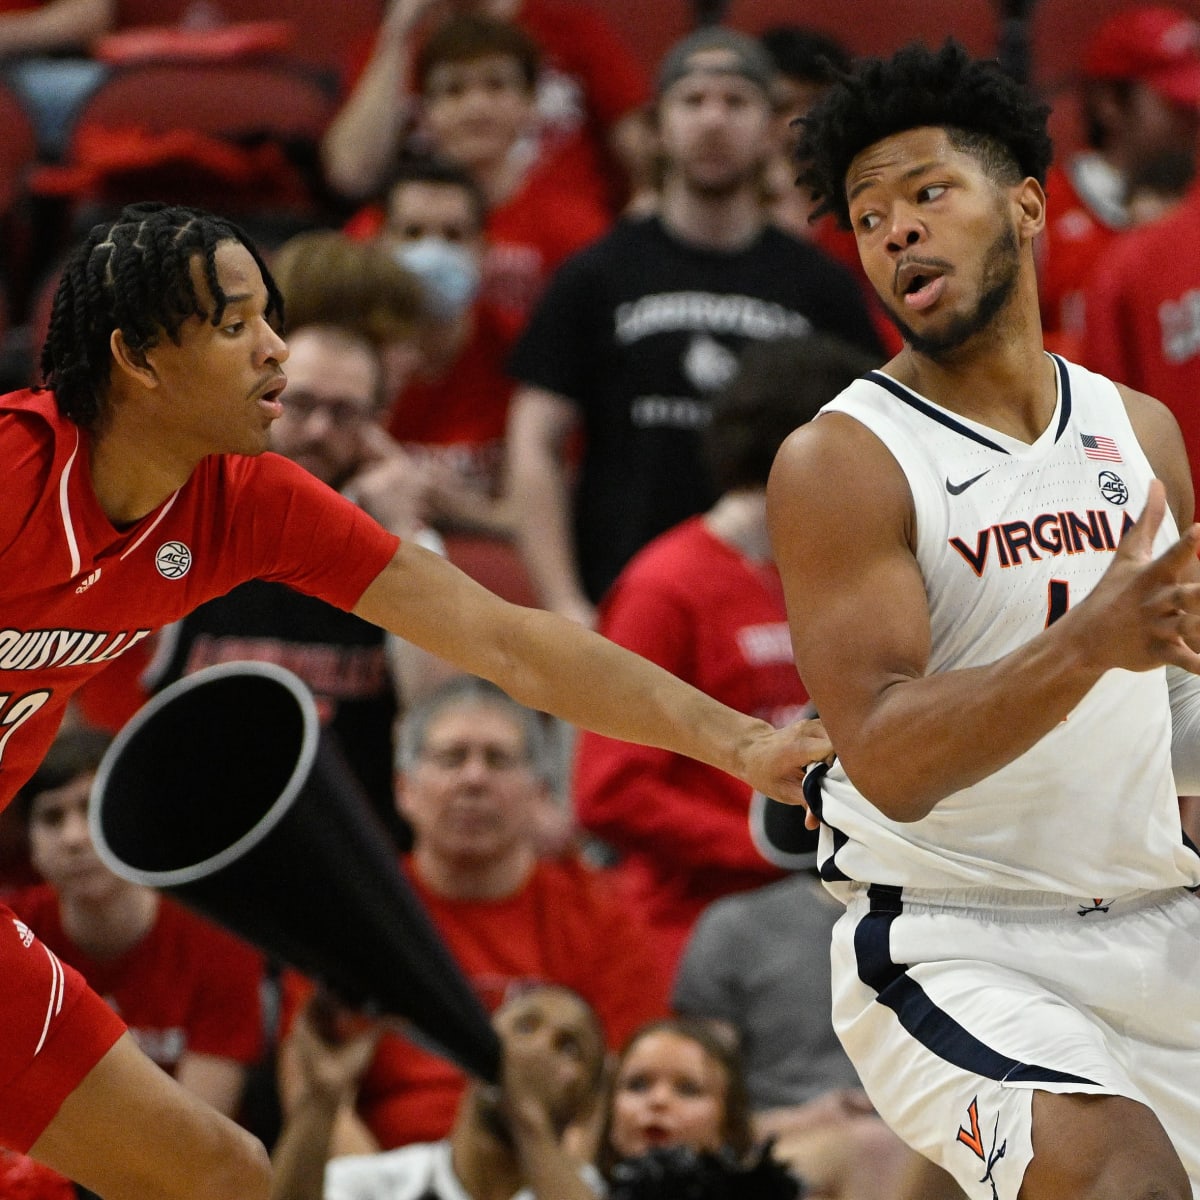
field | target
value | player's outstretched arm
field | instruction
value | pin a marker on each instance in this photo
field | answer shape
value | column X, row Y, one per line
column 555, row 665
column 860, row 626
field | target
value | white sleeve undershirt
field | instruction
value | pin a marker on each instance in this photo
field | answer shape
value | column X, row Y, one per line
column 1184, row 690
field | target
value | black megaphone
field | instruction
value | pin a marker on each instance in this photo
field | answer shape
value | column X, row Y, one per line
column 222, row 792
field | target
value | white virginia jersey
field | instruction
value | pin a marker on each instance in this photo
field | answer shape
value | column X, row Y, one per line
column 1009, row 535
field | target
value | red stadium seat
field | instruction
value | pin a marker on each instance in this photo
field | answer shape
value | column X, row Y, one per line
column 234, row 136
column 327, row 32
column 228, row 99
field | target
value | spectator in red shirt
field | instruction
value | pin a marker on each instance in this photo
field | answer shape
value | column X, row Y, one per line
column 590, row 92
column 476, row 78
column 704, row 601
column 1143, row 317
column 450, row 392
column 472, row 784
column 1141, row 99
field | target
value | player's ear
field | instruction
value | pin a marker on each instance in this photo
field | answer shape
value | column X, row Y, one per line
column 132, row 361
column 1031, row 208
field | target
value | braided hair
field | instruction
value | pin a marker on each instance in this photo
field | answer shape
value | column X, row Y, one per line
column 983, row 111
column 133, row 274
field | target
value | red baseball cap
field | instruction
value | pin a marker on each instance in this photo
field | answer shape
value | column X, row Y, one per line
column 1154, row 45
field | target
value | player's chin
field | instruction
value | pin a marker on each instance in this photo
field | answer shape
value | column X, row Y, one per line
column 254, row 442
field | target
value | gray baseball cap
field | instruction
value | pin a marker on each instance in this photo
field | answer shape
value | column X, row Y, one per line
column 739, row 54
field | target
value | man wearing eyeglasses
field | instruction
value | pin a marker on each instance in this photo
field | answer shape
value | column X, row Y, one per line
column 472, row 782
column 330, row 427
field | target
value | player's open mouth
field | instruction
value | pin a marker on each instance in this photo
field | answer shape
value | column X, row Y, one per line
column 920, row 285
column 269, row 398
column 270, row 393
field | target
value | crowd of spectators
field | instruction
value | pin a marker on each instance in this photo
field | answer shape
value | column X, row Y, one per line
column 551, row 311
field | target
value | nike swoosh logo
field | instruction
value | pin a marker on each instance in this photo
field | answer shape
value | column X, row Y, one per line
column 956, row 489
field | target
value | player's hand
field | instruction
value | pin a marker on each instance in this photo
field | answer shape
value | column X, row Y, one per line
column 778, row 759
column 1145, row 611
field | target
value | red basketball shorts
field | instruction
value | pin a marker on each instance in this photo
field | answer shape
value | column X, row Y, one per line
column 53, row 1030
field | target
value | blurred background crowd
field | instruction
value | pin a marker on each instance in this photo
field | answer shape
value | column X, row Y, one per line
column 553, row 302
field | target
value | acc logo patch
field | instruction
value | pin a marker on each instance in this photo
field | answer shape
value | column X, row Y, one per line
column 173, row 560
column 1112, row 487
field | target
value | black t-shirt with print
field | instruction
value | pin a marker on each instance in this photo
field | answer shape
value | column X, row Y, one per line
column 639, row 330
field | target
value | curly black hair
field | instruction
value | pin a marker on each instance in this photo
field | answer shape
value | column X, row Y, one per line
column 984, row 112
column 133, row 274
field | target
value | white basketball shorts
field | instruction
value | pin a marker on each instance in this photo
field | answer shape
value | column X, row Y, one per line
column 955, row 1008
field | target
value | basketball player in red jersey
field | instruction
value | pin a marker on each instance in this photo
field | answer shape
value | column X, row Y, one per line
column 136, row 487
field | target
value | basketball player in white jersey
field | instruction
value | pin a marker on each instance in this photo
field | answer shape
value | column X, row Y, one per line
column 990, row 567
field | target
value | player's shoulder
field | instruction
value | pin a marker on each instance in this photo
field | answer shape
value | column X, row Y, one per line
column 30, row 439
column 838, row 476
column 28, row 418
column 270, row 473
column 1158, row 433
column 835, row 438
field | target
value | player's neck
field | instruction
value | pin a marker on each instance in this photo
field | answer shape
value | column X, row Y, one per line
column 1012, row 388
column 999, row 377
column 133, row 472
column 107, row 928
column 724, row 222
column 471, row 880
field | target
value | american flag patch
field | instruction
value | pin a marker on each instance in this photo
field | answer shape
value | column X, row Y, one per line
column 1103, row 448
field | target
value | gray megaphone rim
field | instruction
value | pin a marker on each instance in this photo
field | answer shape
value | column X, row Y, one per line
column 251, row 838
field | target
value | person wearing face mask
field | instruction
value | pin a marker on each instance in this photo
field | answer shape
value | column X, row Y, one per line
column 476, row 78
column 450, row 395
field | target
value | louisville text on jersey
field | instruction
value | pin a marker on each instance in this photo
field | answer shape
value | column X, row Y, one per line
column 36, row 649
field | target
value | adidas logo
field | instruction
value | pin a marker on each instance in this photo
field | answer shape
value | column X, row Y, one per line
column 87, row 583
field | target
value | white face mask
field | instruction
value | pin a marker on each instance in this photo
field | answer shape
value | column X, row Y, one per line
column 449, row 274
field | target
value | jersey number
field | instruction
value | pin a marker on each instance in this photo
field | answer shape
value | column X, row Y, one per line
column 1058, row 600
column 17, row 713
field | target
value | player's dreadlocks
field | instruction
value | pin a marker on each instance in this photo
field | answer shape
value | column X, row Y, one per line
column 133, row 274
column 983, row 110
